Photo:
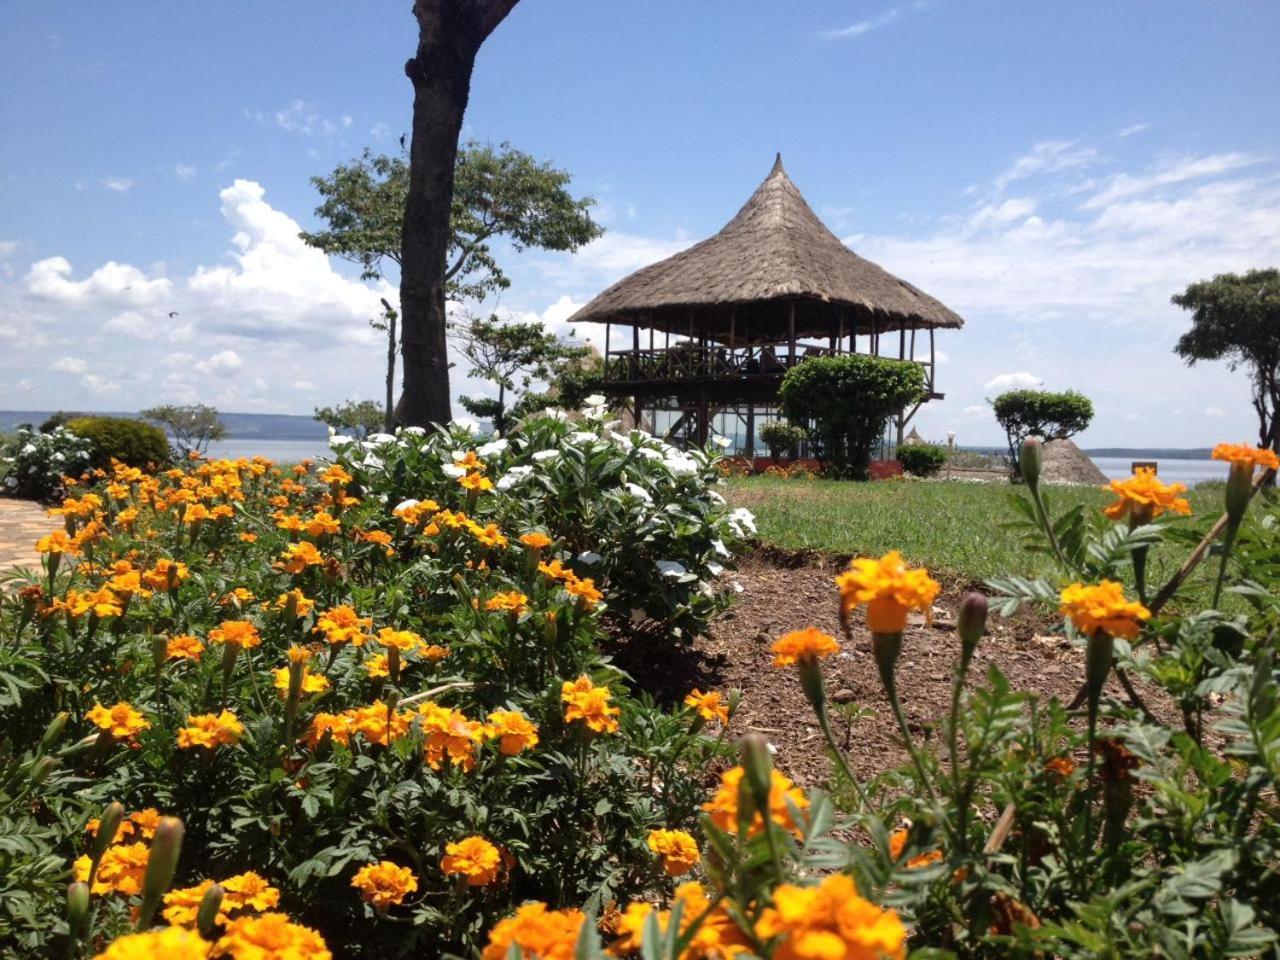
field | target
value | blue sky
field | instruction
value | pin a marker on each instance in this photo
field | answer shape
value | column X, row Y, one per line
column 1051, row 171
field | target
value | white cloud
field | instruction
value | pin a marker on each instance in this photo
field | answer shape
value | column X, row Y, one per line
column 304, row 386
column 7, row 248
column 130, row 323
column 116, row 284
column 1048, row 156
column 862, row 27
column 1133, row 130
column 184, row 171
column 220, row 364
column 1013, row 381
column 1188, row 168
column 114, row 184
column 99, row 385
column 69, row 365
column 1213, row 411
column 975, row 410
column 303, row 117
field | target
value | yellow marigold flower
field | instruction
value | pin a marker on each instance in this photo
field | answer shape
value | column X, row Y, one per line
column 237, row 633
column 450, row 519
column 337, row 725
column 513, row 730
column 403, row 640
column 181, row 906
column 723, row 805
column 1141, row 498
column 121, row 869
column 470, row 461
column 57, row 542
column 379, row 537
column 536, row 932
column 249, row 891
column 1247, row 457
column 248, row 537
column 489, row 535
column 210, row 730
column 830, row 920
column 535, row 540
column 710, row 706
column 302, row 604
column 101, row 603
column 378, row 725
column 474, row 858
column 122, row 721
column 240, row 596
column 809, row 643
column 270, row 936
column 377, row 666
column 717, row 938
column 888, row 588
column 298, row 556
column 290, row 522
column 412, row 512
column 145, row 821
column 384, row 884
column 898, row 843
column 449, row 734
column 125, row 585
column 677, row 850
column 584, row 588
column 433, row 652
column 512, row 601
column 1102, row 606
column 335, row 475
column 343, row 625
column 555, row 570
column 322, row 524
column 585, row 701
column 183, row 646
column 311, row 682
column 475, row 481
column 166, row 943
column 166, row 574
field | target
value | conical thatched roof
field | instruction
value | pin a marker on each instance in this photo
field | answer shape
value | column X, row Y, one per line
column 1061, row 461
column 773, row 258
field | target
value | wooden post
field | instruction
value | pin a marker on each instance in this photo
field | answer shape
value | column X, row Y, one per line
column 750, row 451
column 931, row 362
column 635, row 352
column 913, row 343
column 608, row 328
column 791, row 335
column 902, row 343
column 703, row 412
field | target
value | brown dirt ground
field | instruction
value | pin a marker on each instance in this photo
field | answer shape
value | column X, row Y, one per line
column 787, row 592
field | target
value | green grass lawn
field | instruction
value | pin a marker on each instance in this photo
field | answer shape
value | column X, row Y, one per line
column 951, row 527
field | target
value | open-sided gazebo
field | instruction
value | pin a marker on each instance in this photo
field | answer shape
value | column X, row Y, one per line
column 709, row 333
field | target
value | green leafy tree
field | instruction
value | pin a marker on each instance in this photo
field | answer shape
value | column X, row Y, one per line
column 511, row 356
column 499, row 193
column 1237, row 319
column 355, row 418
column 1040, row 413
column 847, row 401
column 781, row 438
column 191, row 426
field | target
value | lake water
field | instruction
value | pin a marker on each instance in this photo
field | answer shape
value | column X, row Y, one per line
column 281, row 451
column 1189, row 472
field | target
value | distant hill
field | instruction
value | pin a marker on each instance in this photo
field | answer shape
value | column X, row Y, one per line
column 240, row 426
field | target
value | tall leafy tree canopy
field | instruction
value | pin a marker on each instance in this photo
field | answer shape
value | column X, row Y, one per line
column 1236, row 318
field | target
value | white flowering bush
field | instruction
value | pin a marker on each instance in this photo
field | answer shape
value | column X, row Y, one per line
column 638, row 516
column 34, row 463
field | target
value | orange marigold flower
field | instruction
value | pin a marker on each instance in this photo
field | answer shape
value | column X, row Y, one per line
column 1246, row 456
column 166, row 574
column 898, row 843
column 555, row 570
column 322, row 524
column 1063, row 767
column 301, row 603
column 1141, row 498
column 1102, row 606
column 889, row 588
column 723, row 806
column 807, row 644
column 830, row 920
column 237, row 633
column 513, row 730
column 57, row 542
column 469, row 461
column 535, row 540
column 270, row 936
column 210, row 730
column 379, row 725
column 377, row 666
column 122, row 721
column 335, row 475
column 403, row 640
column 336, row 725
column 584, row 588
column 166, row 943
column 248, row 891
column 535, row 932
column 448, row 733
column 433, row 652
column 343, row 625
column 709, row 706
column 121, row 869
column 475, row 481
column 512, row 601
column 384, row 884
column 298, row 556
column 248, row 537
column 238, row 597
column 489, row 535
column 474, row 858
column 311, row 682
column 676, row 849
column 585, row 701
column 716, row 938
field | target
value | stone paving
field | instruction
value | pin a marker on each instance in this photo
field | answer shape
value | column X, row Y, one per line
column 22, row 522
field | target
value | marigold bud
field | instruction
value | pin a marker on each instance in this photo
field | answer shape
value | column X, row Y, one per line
column 1239, row 491
column 108, row 825
column 757, row 766
column 207, row 912
column 971, row 624
column 43, row 769
column 1097, row 664
column 77, row 908
column 161, row 866
column 1029, row 461
column 886, row 647
column 53, row 732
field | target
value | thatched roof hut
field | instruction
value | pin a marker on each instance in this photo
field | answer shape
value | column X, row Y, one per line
column 774, row 257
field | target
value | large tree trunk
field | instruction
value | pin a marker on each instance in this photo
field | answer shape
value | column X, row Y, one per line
column 450, row 33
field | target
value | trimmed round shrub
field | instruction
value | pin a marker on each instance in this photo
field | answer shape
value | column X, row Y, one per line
column 118, row 438
column 922, row 459
column 1041, row 413
column 847, row 401
column 781, row 438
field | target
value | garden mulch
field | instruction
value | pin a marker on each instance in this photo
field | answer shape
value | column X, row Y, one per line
column 22, row 522
column 782, row 592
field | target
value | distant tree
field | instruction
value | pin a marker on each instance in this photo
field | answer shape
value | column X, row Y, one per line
column 512, row 356
column 498, row 192
column 847, row 400
column 782, row 439
column 1040, row 413
column 1237, row 319
column 355, row 418
column 191, row 426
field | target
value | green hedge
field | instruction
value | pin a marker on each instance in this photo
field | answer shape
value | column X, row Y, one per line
column 118, row 438
column 922, row 459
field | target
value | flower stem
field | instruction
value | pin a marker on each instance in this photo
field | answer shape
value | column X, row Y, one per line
column 891, row 687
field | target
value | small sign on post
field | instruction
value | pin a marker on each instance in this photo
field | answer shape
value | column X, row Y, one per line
column 1137, row 465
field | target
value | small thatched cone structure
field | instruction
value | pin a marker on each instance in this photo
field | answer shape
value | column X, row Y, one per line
column 1063, row 462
